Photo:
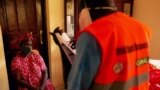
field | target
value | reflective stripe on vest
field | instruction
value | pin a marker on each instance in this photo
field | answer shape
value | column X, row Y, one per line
column 122, row 85
column 129, row 49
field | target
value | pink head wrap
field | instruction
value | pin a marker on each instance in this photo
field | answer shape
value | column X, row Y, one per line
column 25, row 37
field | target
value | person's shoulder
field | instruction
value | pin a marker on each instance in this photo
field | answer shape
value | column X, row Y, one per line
column 16, row 58
column 35, row 51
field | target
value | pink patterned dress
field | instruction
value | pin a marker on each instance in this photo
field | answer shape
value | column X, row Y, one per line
column 30, row 69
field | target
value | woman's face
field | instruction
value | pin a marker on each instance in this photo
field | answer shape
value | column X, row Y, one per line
column 26, row 47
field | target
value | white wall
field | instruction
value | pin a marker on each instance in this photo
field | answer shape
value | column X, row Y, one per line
column 148, row 12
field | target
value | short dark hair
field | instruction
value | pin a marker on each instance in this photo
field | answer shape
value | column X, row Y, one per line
column 96, row 3
column 93, row 3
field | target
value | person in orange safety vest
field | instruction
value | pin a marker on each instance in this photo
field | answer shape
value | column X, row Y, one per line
column 112, row 52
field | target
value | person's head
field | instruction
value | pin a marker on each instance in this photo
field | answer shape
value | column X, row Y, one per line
column 97, row 8
column 99, row 3
column 25, row 43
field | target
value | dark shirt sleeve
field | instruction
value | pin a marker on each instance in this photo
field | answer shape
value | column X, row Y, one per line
column 86, row 63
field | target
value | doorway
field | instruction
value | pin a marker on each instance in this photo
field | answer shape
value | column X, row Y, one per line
column 18, row 17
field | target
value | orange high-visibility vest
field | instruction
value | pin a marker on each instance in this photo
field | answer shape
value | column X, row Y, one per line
column 125, row 54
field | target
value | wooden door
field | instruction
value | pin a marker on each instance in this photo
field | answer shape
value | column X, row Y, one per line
column 18, row 17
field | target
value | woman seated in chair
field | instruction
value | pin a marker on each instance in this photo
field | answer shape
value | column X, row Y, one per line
column 28, row 67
